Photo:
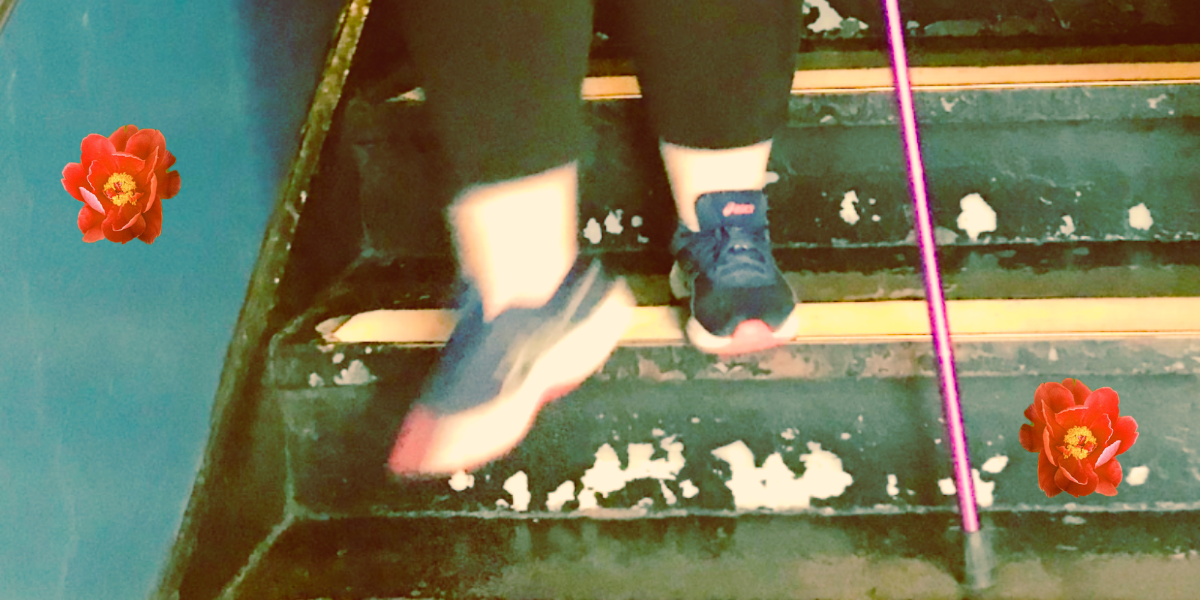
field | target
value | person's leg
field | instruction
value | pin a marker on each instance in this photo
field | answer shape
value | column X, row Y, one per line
column 716, row 76
column 502, row 81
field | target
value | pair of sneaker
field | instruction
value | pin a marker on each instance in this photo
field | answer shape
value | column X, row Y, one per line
column 494, row 376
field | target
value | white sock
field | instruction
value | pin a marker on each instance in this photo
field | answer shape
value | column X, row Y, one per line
column 694, row 172
column 516, row 240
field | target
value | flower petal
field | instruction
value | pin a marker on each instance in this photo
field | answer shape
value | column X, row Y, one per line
column 1029, row 439
column 142, row 143
column 90, row 200
column 1046, row 477
column 1055, row 395
column 89, row 221
column 1106, row 401
column 1079, row 392
column 1072, row 417
column 170, row 185
column 123, row 235
column 1125, row 430
column 1062, row 479
column 120, row 137
column 74, row 176
column 153, row 223
column 1101, row 430
column 1108, row 454
column 1110, row 475
column 1048, row 448
column 95, row 146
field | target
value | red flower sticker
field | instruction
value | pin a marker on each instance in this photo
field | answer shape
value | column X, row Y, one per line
column 122, row 180
column 1078, row 435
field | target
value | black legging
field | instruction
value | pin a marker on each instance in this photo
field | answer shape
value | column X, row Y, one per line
column 502, row 78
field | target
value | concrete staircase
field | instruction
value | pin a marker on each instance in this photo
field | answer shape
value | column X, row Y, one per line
column 1068, row 219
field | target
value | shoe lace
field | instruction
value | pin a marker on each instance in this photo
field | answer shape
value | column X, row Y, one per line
column 731, row 246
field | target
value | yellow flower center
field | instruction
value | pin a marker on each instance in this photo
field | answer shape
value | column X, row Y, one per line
column 1078, row 442
column 121, row 189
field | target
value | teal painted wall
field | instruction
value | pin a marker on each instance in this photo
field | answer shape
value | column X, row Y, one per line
column 112, row 354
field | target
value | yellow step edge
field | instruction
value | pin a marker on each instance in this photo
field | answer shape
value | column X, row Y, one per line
column 823, row 81
column 858, row 321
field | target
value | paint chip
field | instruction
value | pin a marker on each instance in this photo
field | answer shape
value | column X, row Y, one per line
column 983, row 489
column 338, row 358
column 559, row 497
column 976, row 217
column 774, row 486
column 875, row 218
column 461, row 481
column 1068, row 226
column 995, row 464
column 789, row 434
column 848, row 213
column 1137, row 475
column 518, row 486
column 893, row 489
column 688, row 488
column 592, row 231
column 1139, row 217
column 355, row 374
column 771, row 177
column 1074, row 520
column 845, row 436
column 315, row 380
column 635, row 221
column 606, row 475
column 612, row 223
column 656, row 432
column 828, row 20
column 1053, row 356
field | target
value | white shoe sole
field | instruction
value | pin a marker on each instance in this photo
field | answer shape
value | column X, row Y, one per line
column 707, row 342
column 478, row 436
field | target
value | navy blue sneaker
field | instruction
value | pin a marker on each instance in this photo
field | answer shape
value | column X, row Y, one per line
column 740, row 301
column 493, row 377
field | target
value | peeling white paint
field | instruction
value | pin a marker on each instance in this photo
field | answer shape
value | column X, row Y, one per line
column 848, row 213
column 829, row 19
column 1139, row 217
column 893, row 487
column 995, row 464
column 977, row 217
column 592, row 232
column 1074, row 520
column 695, row 419
column 983, row 489
column 947, row 486
column 789, row 434
column 642, row 239
column 688, row 488
column 875, row 218
column 845, row 435
column 606, row 475
column 355, row 374
column 771, row 177
column 518, row 486
column 666, row 492
column 559, row 497
column 1068, row 226
column 1153, row 102
column 1053, row 354
column 1137, row 475
column 636, row 221
column 612, row 223
column 949, row 106
column 461, row 481
column 338, row 358
column 315, row 380
column 774, row 486
column 656, row 432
